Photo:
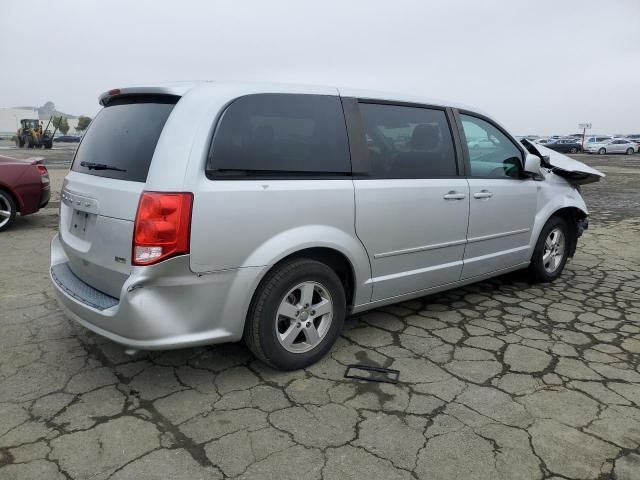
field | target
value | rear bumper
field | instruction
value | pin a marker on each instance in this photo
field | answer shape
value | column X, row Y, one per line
column 31, row 199
column 45, row 196
column 163, row 306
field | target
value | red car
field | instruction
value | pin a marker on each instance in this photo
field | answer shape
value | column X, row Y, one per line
column 24, row 188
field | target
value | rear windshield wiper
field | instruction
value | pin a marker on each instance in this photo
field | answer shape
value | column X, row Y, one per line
column 100, row 166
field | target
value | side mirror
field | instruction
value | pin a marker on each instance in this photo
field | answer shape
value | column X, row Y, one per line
column 532, row 164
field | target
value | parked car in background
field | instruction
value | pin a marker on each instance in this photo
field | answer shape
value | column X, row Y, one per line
column 565, row 145
column 543, row 141
column 595, row 139
column 636, row 142
column 24, row 188
column 613, row 145
column 67, row 138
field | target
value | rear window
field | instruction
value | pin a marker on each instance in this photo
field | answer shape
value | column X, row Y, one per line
column 272, row 135
column 121, row 140
column 408, row 142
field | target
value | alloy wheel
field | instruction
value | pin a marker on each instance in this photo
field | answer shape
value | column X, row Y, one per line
column 304, row 317
column 554, row 247
column 5, row 209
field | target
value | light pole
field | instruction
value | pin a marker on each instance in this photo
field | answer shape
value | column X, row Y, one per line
column 584, row 127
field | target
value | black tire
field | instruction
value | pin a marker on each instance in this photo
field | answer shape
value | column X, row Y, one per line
column 261, row 328
column 20, row 142
column 602, row 151
column 573, row 150
column 630, row 151
column 537, row 270
column 48, row 145
column 6, row 201
column 30, row 143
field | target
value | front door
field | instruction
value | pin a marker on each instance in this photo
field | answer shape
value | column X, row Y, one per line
column 412, row 208
column 503, row 201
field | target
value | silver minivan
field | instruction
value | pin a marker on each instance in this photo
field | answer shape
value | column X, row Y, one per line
column 200, row 213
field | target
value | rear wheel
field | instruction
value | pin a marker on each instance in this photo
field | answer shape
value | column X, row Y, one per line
column 7, row 210
column 602, row 151
column 296, row 314
column 573, row 150
column 550, row 255
column 630, row 151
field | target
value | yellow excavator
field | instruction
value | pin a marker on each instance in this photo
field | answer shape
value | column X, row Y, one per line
column 32, row 135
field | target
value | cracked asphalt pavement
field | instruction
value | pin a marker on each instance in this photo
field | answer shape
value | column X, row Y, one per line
column 498, row 380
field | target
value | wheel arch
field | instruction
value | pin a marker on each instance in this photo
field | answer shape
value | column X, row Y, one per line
column 324, row 243
column 335, row 259
column 14, row 196
column 575, row 218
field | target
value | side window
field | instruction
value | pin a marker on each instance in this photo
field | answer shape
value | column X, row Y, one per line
column 491, row 152
column 408, row 142
column 281, row 135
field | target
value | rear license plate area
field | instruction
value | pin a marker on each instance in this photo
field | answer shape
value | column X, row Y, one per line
column 79, row 223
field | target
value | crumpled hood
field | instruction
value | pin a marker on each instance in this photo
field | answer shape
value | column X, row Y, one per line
column 564, row 166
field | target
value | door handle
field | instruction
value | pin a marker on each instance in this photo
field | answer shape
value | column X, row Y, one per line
column 483, row 194
column 453, row 195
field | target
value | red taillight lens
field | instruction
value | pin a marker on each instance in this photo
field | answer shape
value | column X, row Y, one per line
column 44, row 174
column 162, row 227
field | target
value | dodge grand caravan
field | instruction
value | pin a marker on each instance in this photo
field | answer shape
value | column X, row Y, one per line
column 214, row 212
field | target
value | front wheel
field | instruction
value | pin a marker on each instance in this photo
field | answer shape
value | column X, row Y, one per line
column 630, row 151
column 550, row 255
column 602, row 151
column 296, row 314
column 573, row 150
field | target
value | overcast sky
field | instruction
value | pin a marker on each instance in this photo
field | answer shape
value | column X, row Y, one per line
column 537, row 66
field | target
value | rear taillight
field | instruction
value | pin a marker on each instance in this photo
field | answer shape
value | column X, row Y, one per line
column 44, row 174
column 162, row 226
